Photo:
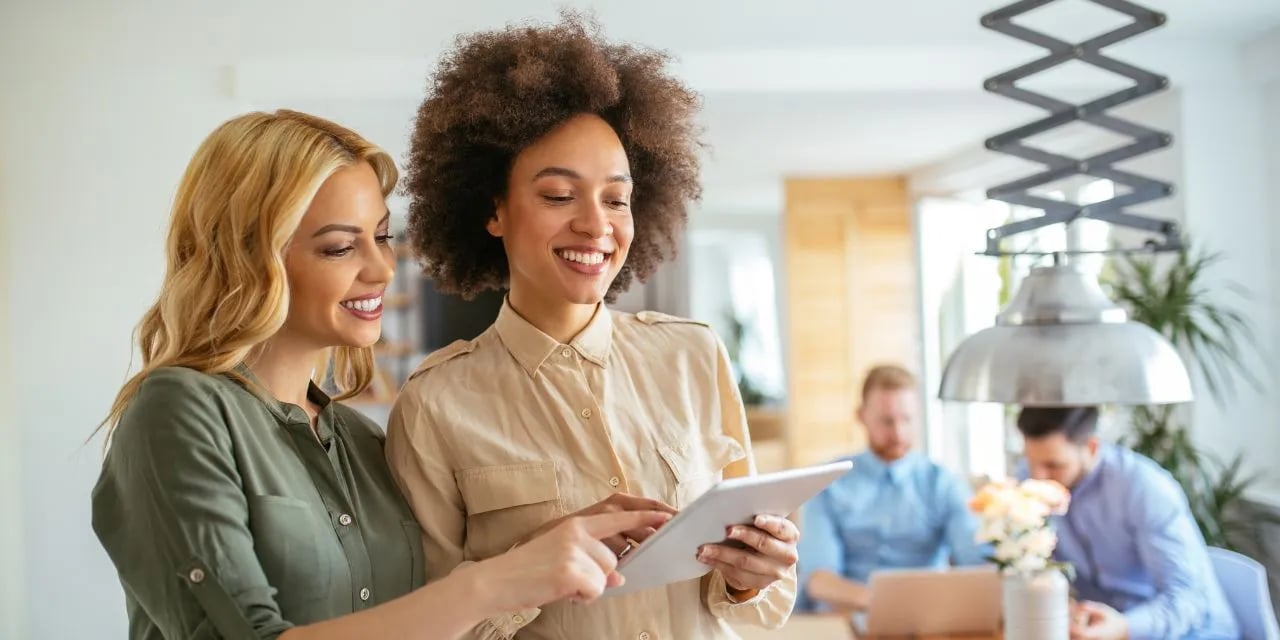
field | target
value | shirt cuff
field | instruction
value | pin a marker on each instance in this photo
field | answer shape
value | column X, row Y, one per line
column 718, row 599
column 1142, row 624
column 505, row 627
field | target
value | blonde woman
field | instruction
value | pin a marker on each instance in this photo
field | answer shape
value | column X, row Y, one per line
column 238, row 500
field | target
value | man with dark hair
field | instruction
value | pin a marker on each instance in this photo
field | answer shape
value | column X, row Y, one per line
column 895, row 509
column 1141, row 564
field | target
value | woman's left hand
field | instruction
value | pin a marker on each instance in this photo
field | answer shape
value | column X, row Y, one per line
column 769, row 553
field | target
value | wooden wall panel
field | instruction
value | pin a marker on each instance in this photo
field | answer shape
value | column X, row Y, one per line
column 851, row 303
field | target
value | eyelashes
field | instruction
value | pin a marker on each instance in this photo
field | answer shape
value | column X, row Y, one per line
column 563, row 200
column 382, row 239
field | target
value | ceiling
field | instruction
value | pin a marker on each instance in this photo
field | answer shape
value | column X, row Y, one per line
column 791, row 88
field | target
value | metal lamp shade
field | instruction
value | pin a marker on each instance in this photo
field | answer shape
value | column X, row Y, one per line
column 1061, row 342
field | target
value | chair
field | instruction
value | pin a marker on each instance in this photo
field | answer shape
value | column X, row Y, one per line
column 1244, row 581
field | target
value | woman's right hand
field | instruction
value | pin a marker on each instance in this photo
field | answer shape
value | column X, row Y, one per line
column 569, row 561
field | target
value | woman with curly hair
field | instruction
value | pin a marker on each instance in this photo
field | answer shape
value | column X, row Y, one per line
column 237, row 499
column 558, row 166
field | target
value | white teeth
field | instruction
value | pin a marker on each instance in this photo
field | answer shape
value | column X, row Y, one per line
column 367, row 306
column 588, row 258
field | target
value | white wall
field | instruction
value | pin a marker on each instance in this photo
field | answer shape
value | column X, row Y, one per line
column 1227, row 208
column 11, row 549
column 1260, row 68
column 1271, row 130
column 94, row 141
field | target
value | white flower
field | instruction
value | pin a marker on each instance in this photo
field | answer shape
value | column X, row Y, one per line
column 1026, row 514
column 1029, row 564
column 992, row 530
column 1009, row 550
column 1040, row 542
column 1014, row 517
column 1053, row 495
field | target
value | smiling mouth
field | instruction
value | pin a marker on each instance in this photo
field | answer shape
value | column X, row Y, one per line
column 366, row 308
column 588, row 258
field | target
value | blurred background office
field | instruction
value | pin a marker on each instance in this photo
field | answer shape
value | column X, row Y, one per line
column 843, row 207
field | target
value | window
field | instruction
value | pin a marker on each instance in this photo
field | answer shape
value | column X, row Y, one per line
column 733, row 278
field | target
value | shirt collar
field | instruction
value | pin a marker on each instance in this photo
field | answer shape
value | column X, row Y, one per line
column 897, row 471
column 1105, row 453
column 285, row 411
column 531, row 347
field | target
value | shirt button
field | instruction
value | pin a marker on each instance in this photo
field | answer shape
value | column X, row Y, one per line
column 614, row 481
column 196, row 576
column 568, row 353
column 518, row 619
column 644, row 635
column 345, row 519
column 364, row 594
column 586, row 413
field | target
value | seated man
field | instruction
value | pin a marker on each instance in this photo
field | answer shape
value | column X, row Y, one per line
column 894, row 509
column 1141, row 564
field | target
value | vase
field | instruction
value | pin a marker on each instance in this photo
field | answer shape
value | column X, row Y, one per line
column 1036, row 606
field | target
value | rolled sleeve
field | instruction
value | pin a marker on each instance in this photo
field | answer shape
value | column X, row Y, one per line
column 170, row 511
column 769, row 609
column 773, row 605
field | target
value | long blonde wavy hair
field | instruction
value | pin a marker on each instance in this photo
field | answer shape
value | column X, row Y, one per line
column 239, row 203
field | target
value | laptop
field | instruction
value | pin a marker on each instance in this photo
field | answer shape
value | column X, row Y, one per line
column 905, row 602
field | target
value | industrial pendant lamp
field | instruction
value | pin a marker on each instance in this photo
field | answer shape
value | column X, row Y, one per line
column 1061, row 341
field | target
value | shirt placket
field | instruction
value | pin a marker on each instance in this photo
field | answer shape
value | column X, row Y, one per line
column 328, row 467
column 590, row 384
column 587, row 395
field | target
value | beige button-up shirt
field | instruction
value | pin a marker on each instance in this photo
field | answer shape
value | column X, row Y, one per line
column 492, row 438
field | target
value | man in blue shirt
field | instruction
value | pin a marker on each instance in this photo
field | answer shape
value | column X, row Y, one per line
column 894, row 509
column 1141, row 565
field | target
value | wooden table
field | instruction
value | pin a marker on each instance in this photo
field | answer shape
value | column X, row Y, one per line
column 831, row 627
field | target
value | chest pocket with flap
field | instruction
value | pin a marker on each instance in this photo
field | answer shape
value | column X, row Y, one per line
column 506, row 502
column 697, row 464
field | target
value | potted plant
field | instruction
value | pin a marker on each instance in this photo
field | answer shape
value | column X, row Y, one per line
column 1214, row 339
column 1014, row 519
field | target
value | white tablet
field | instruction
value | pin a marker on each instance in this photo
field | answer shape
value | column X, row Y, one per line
column 670, row 555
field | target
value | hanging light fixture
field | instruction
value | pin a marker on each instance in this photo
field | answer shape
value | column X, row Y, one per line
column 1061, row 341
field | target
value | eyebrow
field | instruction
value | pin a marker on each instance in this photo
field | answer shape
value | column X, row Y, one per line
column 347, row 228
column 570, row 173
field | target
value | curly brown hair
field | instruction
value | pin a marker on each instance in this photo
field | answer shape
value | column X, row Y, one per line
column 496, row 93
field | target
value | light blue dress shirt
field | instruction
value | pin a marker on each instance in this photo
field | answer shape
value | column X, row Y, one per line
column 910, row 513
column 1130, row 535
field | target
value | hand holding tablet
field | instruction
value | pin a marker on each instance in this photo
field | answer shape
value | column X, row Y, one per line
column 672, row 554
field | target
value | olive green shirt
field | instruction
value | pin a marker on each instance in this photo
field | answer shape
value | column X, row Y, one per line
column 227, row 517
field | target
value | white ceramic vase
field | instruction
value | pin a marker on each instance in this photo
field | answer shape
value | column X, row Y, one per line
column 1036, row 606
